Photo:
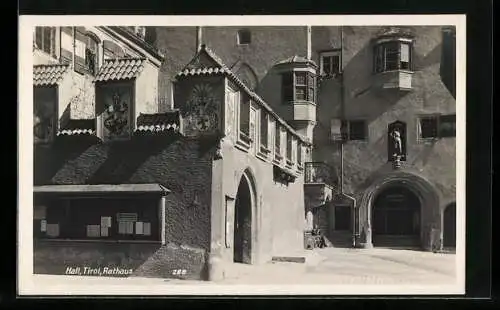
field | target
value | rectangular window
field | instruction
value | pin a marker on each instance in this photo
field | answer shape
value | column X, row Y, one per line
column 120, row 218
column 264, row 128
column 277, row 140
column 405, row 56
column 289, row 147
column 442, row 126
column 244, row 114
column 354, row 130
column 330, row 63
column 429, row 127
column 287, row 84
column 67, row 45
column 300, row 85
column 299, row 154
column 447, row 126
column 45, row 39
column 391, row 56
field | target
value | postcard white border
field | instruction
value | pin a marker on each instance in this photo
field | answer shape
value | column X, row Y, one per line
column 27, row 283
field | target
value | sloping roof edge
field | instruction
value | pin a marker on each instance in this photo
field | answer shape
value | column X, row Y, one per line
column 230, row 74
column 101, row 188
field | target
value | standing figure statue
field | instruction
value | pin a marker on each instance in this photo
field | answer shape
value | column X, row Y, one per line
column 397, row 146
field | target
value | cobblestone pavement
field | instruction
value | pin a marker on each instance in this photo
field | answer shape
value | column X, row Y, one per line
column 331, row 266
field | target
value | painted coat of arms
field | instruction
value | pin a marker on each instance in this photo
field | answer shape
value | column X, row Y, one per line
column 116, row 116
column 201, row 108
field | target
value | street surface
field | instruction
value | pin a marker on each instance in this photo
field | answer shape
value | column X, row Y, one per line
column 328, row 266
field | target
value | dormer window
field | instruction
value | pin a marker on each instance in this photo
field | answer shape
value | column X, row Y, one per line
column 393, row 55
column 45, row 39
column 244, row 37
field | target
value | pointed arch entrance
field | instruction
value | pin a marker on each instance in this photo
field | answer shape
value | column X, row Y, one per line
column 450, row 226
column 396, row 217
column 244, row 241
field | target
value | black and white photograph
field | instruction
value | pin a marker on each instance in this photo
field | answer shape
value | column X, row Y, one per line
column 242, row 155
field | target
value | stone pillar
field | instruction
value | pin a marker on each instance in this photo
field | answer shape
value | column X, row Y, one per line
column 367, row 230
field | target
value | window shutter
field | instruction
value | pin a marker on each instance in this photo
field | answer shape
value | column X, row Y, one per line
column 80, row 46
column 336, row 129
column 66, row 45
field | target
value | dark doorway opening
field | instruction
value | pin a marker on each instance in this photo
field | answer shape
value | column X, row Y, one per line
column 396, row 218
column 243, row 223
column 343, row 218
column 450, row 226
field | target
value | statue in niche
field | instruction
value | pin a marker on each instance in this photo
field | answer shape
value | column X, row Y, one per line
column 396, row 142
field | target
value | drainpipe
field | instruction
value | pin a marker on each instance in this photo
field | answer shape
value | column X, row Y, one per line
column 342, row 107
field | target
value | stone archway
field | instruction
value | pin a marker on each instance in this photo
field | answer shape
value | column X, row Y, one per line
column 450, row 226
column 421, row 188
column 244, row 221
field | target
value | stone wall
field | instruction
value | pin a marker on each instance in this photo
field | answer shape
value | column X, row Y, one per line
column 181, row 165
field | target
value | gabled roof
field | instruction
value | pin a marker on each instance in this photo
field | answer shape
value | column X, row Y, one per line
column 120, row 69
column 206, row 62
column 49, row 75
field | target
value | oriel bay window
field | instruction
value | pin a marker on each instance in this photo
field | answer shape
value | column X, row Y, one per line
column 102, row 218
column 298, row 85
column 45, row 39
column 393, row 55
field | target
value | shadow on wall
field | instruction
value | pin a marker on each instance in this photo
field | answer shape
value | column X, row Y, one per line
column 124, row 158
column 133, row 259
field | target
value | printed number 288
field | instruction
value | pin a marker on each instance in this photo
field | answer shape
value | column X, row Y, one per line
column 179, row 272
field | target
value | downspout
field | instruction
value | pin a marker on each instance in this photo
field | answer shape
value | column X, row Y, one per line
column 343, row 116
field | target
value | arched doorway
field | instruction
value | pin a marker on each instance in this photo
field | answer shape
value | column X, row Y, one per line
column 243, row 222
column 450, row 226
column 396, row 218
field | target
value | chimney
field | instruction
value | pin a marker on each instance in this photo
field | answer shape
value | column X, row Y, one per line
column 199, row 38
column 309, row 48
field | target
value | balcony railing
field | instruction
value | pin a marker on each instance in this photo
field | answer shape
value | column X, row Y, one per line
column 319, row 172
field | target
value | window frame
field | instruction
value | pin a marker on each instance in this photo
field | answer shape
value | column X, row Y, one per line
column 52, row 42
column 330, row 54
column 346, row 129
column 380, row 55
column 289, row 92
column 240, row 34
column 438, row 118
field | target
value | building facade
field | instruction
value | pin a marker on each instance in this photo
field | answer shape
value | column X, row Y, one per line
column 378, row 105
column 133, row 179
column 178, row 151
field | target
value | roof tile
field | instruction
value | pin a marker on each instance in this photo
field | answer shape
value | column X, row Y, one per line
column 120, row 69
column 158, row 122
column 49, row 75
